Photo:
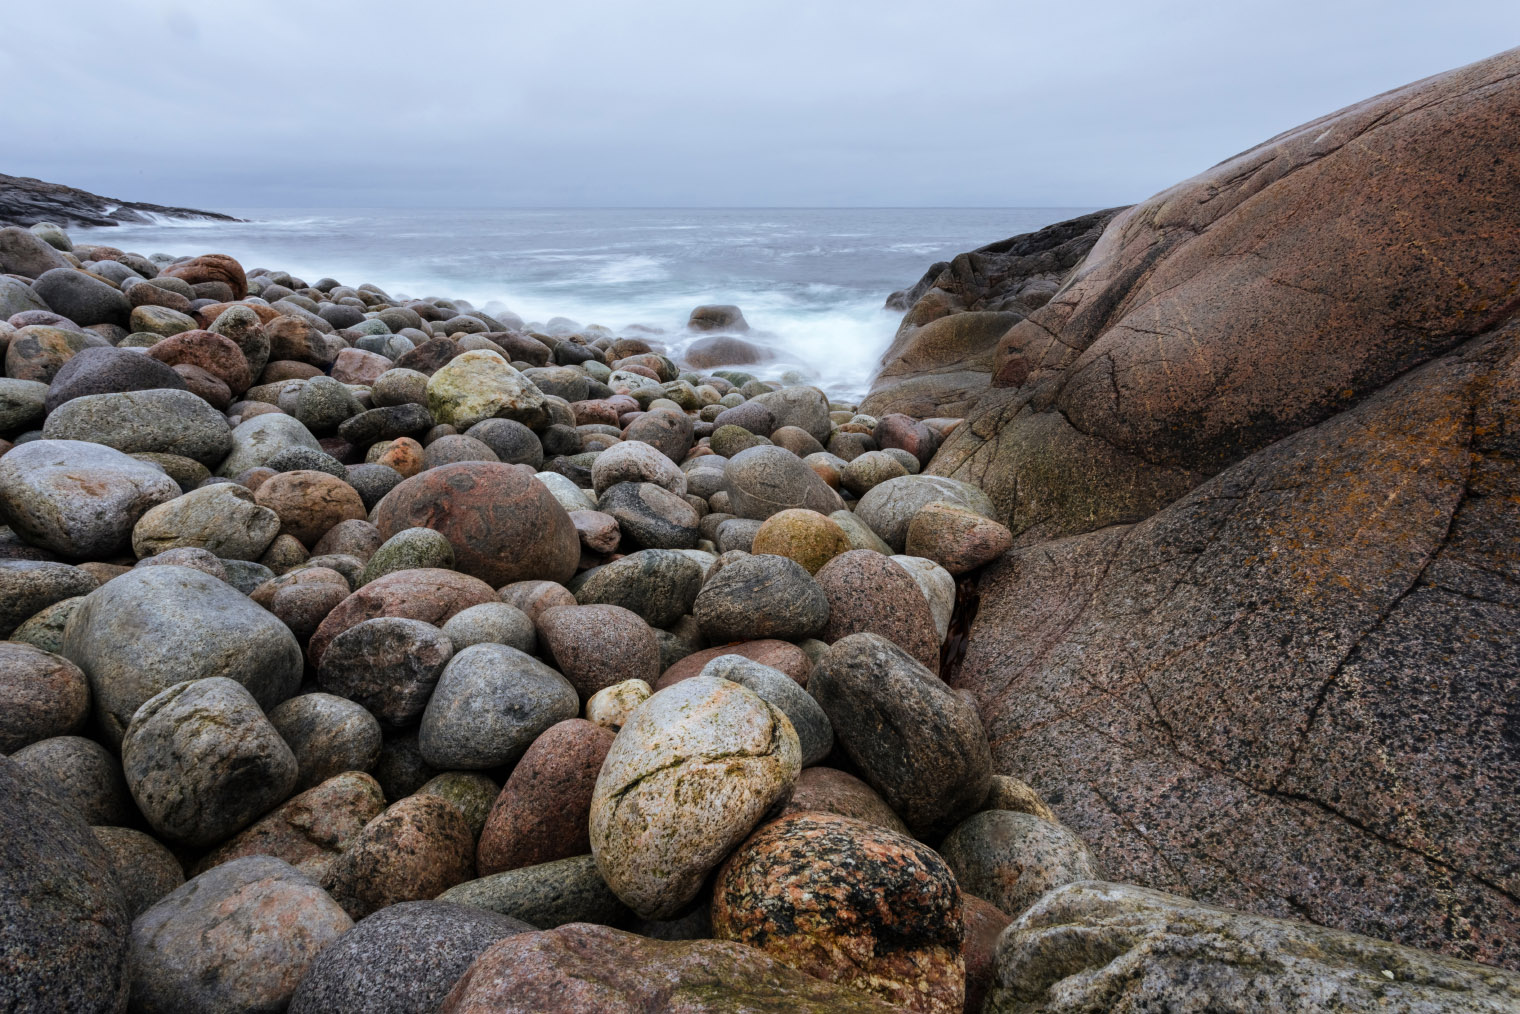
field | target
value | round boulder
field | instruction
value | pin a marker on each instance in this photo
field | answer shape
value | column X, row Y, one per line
column 328, row 735
column 1012, row 859
column 418, row 848
column 389, row 665
column 890, row 507
column 758, row 597
column 762, row 481
column 490, row 704
column 868, row 593
column 45, row 695
column 598, row 645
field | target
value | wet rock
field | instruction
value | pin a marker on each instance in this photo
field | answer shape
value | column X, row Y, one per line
column 63, row 922
column 432, row 596
column 502, row 523
column 237, row 937
column 686, row 779
column 546, row 895
column 596, row 646
column 543, row 810
column 658, row 584
column 328, row 735
column 78, row 499
column 868, row 593
column 762, row 481
column 83, row 775
column 757, row 597
column 144, row 868
column 45, row 695
column 309, row 830
column 414, row 851
column 851, row 903
column 914, row 740
column 716, row 317
column 389, row 665
column 399, row 960
column 491, row 702
column 1127, row 949
column 202, row 761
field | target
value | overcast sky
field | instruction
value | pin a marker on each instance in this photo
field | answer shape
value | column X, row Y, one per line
column 603, row 103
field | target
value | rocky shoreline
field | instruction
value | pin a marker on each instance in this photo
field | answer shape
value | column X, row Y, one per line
column 25, row 201
column 374, row 653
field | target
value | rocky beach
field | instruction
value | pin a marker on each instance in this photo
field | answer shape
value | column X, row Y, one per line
column 1146, row 639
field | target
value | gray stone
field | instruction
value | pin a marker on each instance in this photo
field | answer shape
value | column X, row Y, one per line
column 546, row 895
column 78, row 499
column 152, row 628
column 63, row 922
column 1012, row 859
column 757, row 597
column 388, row 664
column 1121, row 949
column 29, row 586
column 658, row 584
column 372, row 482
column 83, row 774
column 222, row 519
column 170, row 422
column 651, row 517
column 513, row 442
column 491, row 623
column 762, row 481
column 400, row 960
column 203, row 761
column 914, row 740
column 386, row 423
column 570, row 496
column 17, row 297
column 21, row 403
column 44, row 628
column 246, row 575
column 82, row 299
column 633, row 461
column 890, row 506
column 803, row 407
column 109, row 370
column 239, row 937
column 814, row 732
column 256, row 440
column 328, row 735
column 323, row 404
column 144, row 868
column 489, row 706
column 22, row 253
column 409, row 549
column 295, row 459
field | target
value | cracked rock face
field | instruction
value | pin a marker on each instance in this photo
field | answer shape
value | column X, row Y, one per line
column 1265, row 295
column 1293, row 690
column 1127, row 950
column 689, row 776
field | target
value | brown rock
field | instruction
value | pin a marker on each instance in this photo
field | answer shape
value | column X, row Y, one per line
column 212, row 268
column 1305, row 657
column 292, row 338
column 598, row 532
column 205, row 385
column 309, row 503
column 724, row 350
column 985, row 922
column 808, row 537
column 851, row 903
column 206, row 315
column 955, row 538
column 828, row 790
column 213, row 353
column 45, row 695
column 418, row 848
column 430, row 595
column 351, row 538
column 311, row 829
column 596, row 646
column 868, row 593
column 503, row 523
column 581, row 967
column 288, row 369
column 403, row 454
column 533, row 597
column 543, row 810
column 356, row 366
column 1232, row 310
column 781, row 655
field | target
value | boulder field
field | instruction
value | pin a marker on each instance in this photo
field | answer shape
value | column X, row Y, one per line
column 1146, row 640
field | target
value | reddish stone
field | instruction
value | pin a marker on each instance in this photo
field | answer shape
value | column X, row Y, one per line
column 288, row 369
column 309, row 503
column 418, row 848
column 214, row 353
column 868, row 593
column 309, row 831
column 356, row 366
column 205, row 385
column 907, row 433
column 302, row 598
column 206, row 315
column 544, row 809
column 955, row 538
column 985, row 922
column 596, row 646
column 782, row 655
column 598, row 532
column 533, row 597
column 851, row 903
column 829, row 790
column 503, row 523
column 211, row 268
column 403, row 454
column 427, row 594
column 599, row 410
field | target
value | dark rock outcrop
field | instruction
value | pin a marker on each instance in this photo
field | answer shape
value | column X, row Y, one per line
column 27, row 201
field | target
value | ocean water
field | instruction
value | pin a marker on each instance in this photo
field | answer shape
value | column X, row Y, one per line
column 811, row 282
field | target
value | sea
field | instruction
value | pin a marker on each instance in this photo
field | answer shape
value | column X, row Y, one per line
column 810, row 282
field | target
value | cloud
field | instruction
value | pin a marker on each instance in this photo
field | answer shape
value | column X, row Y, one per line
column 678, row 102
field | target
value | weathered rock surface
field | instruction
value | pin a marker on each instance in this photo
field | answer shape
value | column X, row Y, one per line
column 428, row 595
column 546, row 895
column 850, row 902
column 1127, row 950
column 583, row 968
column 1237, row 675
column 414, row 851
column 686, row 779
column 310, row 830
column 490, row 704
column 1012, row 859
column 63, row 922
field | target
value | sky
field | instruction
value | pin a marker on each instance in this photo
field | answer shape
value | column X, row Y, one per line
column 689, row 103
